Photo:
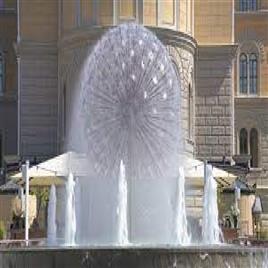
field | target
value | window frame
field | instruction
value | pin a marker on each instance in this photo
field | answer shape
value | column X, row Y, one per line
column 248, row 74
column 243, row 74
column 244, row 149
column 254, row 162
column 249, row 145
column 248, row 5
column 253, row 74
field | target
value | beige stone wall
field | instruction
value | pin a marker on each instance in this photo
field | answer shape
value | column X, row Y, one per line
column 183, row 15
column 68, row 9
column 162, row 13
column 8, row 35
column 105, row 11
column 252, row 113
column 213, row 21
column 8, row 103
column 150, row 12
column 252, row 29
column 39, row 20
column 38, row 100
column 37, row 50
column 87, row 12
column 214, row 102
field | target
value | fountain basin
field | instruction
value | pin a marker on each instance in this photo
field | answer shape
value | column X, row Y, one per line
column 133, row 257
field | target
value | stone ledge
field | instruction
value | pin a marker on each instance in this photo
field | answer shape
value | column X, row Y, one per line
column 133, row 257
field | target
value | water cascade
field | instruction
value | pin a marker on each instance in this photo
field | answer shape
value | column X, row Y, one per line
column 181, row 231
column 122, row 207
column 127, row 105
column 51, row 219
column 211, row 229
column 70, row 217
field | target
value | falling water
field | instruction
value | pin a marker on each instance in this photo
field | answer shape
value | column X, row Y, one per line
column 127, row 106
column 70, row 218
column 122, row 207
column 182, row 236
column 51, row 220
column 211, row 230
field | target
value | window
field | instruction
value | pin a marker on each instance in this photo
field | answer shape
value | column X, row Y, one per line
column 254, row 147
column 253, row 74
column 248, row 5
column 252, row 5
column 243, row 141
column 243, row 74
column 1, row 73
column 243, row 5
column 248, row 74
column 248, row 144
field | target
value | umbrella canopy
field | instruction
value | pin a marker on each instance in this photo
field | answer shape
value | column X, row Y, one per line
column 54, row 170
column 194, row 172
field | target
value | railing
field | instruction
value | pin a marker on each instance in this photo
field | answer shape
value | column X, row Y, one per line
column 7, row 244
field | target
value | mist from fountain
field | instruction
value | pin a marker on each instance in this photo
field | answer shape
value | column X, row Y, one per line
column 211, row 230
column 70, row 217
column 181, row 228
column 51, row 219
column 122, row 209
column 127, row 107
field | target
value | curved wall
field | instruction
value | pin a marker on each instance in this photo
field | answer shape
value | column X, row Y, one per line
column 74, row 47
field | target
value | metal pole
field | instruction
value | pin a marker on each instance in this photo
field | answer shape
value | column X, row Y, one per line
column 25, row 174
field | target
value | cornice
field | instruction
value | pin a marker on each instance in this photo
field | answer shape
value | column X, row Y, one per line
column 87, row 35
column 217, row 51
column 251, row 102
column 35, row 48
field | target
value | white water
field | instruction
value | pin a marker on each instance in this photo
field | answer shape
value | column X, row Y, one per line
column 70, row 217
column 211, row 230
column 127, row 105
column 122, row 207
column 181, row 232
column 51, row 220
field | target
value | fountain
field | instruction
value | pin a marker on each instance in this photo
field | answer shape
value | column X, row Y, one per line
column 211, row 229
column 70, row 217
column 122, row 208
column 51, row 219
column 127, row 206
column 181, row 230
column 127, row 110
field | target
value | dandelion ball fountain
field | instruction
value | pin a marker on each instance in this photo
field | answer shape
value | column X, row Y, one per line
column 128, row 111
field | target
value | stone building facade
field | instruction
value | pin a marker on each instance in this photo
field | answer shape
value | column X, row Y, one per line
column 219, row 50
column 8, row 79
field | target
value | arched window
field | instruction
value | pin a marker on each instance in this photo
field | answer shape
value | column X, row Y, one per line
column 253, row 73
column 243, row 69
column 248, row 5
column 254, row 147
column 243, row 5
column 243, row 141
column 252, row 5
